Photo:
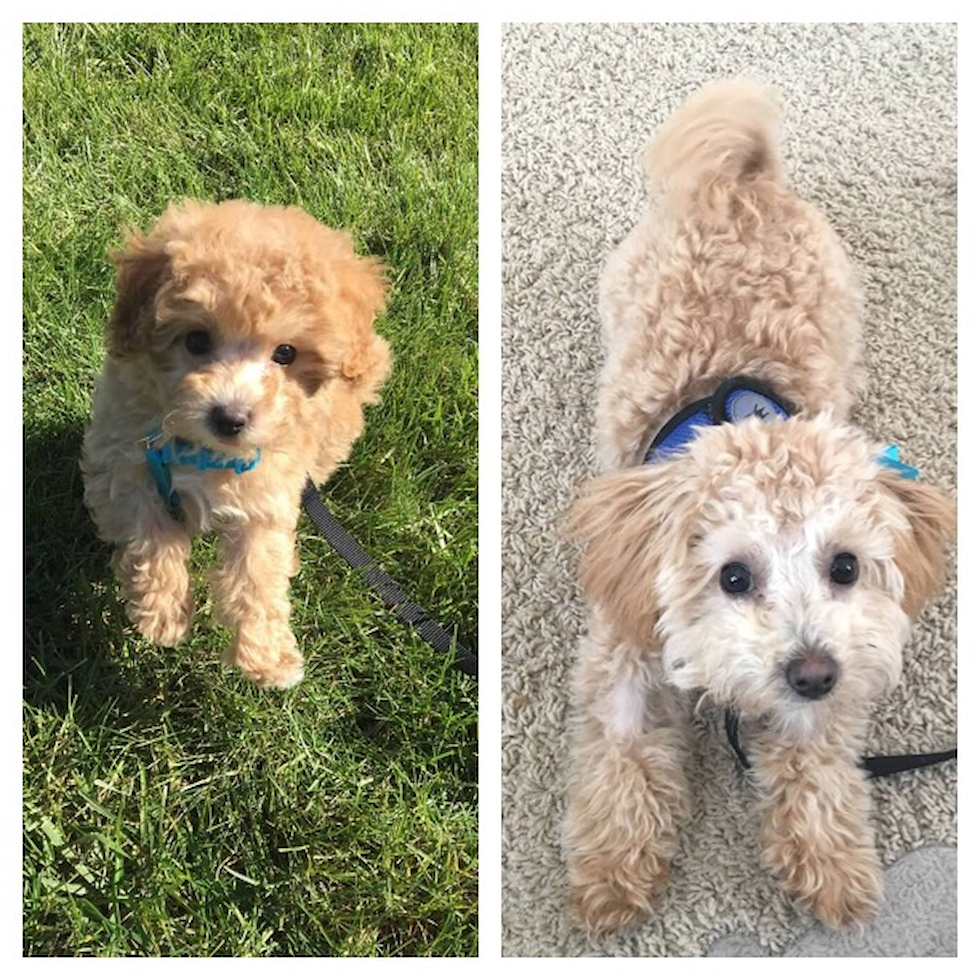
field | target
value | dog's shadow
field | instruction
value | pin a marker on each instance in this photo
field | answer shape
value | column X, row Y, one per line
column 73, row 623
column 64, row 570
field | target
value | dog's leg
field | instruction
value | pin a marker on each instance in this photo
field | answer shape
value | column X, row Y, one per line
column 816, row 829
column 628, row 788
column 251, row 587
column 150, row 547
column 152, row 570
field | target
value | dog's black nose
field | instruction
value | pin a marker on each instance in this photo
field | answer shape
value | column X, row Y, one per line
column 812, row 676
column 227, row 422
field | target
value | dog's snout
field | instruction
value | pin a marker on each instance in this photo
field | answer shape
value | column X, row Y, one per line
column 227, row 422
column 812, row 675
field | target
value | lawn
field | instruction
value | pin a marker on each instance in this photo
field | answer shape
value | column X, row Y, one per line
column 171, row 808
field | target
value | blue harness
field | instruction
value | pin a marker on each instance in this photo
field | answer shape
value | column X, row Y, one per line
column 734, row 401
column 161, row 454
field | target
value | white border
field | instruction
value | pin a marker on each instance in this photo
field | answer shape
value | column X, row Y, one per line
column 490, row 375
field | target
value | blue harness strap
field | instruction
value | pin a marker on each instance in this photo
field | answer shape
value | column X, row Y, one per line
column 889, row 457
column 162, row 453
column 733, row 401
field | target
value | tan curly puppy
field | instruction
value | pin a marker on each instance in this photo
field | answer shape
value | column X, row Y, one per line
column 241, row 350
column 746, row 543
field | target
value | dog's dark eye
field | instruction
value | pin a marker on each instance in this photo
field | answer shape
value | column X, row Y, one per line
column 198, row 342
column 284, row 354
column 844, row 569
column 736, row 579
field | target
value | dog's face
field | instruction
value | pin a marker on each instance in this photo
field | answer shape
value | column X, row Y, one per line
column 241, row 314
column 777, row 567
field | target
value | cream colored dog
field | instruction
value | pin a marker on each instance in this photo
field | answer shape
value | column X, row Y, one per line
column 241, row 350
column 771, row 563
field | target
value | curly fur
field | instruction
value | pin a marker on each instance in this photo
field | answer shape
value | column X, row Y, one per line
column 731, row 274
column 251, row 278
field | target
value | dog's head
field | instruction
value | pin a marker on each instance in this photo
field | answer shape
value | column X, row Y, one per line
column 252, row 320
column 776, row 566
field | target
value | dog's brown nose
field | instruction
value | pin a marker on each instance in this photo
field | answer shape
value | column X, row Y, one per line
column 812, row 675
column 227, row 422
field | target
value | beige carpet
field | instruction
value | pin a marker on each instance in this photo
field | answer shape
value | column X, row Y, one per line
column 870, row 136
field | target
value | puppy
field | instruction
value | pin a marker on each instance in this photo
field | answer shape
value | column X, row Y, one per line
column 745, row 542
column 241, row 351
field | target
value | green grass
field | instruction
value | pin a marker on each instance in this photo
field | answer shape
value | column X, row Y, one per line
column 171, row 809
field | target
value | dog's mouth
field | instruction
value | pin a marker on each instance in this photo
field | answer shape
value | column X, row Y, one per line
column 230, row 444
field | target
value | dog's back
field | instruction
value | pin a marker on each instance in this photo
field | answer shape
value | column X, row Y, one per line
column 729, row 274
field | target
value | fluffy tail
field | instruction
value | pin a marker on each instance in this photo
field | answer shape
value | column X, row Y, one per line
column 723, row 135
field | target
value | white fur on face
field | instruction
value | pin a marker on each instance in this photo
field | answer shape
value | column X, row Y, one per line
column 737, row 647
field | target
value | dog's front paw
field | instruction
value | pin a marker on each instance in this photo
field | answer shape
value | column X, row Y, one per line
column 839, row 886
column 273, row 661
column 282, row 677
column 155, row 583
column 816, row 832
column 161, row 618
column 608, row 894
column 627, row 798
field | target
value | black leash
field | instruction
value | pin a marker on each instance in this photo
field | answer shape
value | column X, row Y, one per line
column 877, row 765
column 404, row 608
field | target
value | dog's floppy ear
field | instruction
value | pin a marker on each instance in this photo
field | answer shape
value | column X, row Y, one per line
column 142, row 266
column 631, row 523
column 368, row 366
column 921, row 552
column 363, row 292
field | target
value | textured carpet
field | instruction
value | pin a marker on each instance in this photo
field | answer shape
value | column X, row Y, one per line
column 869, row 135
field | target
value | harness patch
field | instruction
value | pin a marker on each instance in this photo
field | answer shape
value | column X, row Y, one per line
column 733, row 401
